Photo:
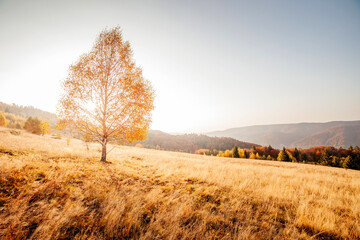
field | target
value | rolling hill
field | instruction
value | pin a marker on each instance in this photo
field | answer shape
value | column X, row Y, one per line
column 337, row 133
column 341, row 136
column 190, row 142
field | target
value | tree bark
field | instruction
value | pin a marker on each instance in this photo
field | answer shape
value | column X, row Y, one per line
column 103, row 153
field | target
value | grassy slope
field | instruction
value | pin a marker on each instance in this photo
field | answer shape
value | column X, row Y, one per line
column 53, row 191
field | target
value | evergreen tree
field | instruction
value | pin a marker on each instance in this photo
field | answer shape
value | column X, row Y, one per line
column 357, row 161
column 297, row 154
column 352, row 162
column 270, row 148
column 291, row 158
column 304, row 157
column 348, row 162
column 283, row 156
column 335, row 161
column 235, row 152
column 325, row 157
column 357, row 149
column 314, row 157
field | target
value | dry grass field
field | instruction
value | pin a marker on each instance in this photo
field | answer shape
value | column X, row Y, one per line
column 49, row 190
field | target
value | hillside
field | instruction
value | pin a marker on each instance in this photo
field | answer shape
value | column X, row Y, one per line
column 53, row 191
column 336, row 136
column 190, row 142
column 297, row 134
column 28, row 111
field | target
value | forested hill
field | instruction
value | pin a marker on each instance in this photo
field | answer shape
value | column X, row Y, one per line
column 190, row 142
column 28, row 111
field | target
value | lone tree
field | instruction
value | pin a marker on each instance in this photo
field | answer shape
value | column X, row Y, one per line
column 105, row 94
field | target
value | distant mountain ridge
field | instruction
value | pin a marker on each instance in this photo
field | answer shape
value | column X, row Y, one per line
column 190, row 142
column 303, row 135
column 342, row 136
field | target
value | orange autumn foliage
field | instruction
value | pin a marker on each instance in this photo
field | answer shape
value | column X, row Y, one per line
column 105, row 94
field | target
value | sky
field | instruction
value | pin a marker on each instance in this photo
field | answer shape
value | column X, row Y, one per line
column 213, row 64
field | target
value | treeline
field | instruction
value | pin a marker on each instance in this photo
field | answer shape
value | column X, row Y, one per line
column 11, row 120
column 327, row 156
column 32, row 124
column 189, row 142
column 25, row 112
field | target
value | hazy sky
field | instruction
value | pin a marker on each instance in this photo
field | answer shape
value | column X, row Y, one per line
column 214, row 64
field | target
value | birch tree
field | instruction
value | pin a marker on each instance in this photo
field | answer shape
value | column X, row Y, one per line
column 105, row 95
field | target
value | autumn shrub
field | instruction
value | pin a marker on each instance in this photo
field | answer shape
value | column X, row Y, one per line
column 33, row 125
column 203, row 151
column 242, row 153
column 227, row 153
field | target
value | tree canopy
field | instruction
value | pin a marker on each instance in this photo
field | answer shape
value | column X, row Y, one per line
column 105, row 94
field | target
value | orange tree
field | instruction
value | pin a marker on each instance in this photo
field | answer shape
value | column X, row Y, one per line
column 2, row 120
column 105, row 94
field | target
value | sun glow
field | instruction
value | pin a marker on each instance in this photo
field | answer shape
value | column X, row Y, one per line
column 91, row 106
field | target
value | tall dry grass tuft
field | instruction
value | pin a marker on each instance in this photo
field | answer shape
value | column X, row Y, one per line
column 53, row 191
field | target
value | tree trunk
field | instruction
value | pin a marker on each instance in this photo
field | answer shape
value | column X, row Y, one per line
column 103, row 153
